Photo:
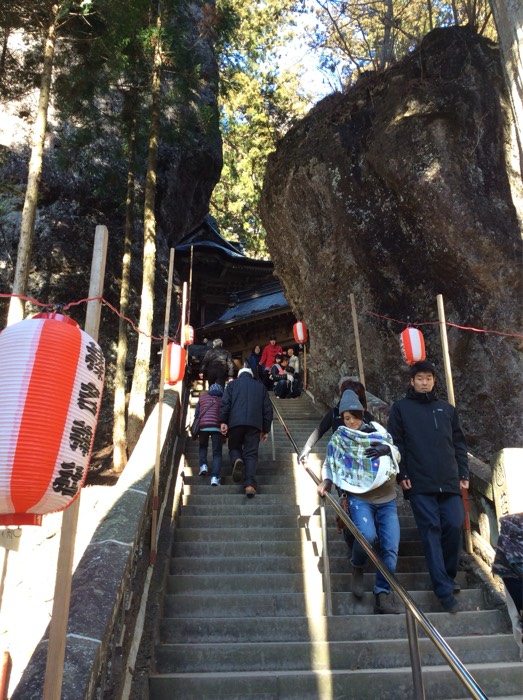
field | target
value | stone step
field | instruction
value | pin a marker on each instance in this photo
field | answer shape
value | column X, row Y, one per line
column 254, row 534
column 239, row 564
column 256, row 562
column 245, row 583
column 251, row 547
column 251, row 518
column 248, row 520
column 243, row 610
column 322, row 656
column 496, row 679
column 286, row 479
column 296, row 604
column 340, row 628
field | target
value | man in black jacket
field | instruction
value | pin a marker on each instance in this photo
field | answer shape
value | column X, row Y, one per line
column 433, row 469
column 245, row 417
column 217, row 364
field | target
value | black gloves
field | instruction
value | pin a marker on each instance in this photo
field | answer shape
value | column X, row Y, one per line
column 377, row 450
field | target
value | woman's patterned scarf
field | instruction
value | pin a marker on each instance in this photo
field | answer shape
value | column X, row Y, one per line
column 350, row 467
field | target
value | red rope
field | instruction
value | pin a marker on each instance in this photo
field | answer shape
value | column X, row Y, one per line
column 447, row 323
column 173, row 339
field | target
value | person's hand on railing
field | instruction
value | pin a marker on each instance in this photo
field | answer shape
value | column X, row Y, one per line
column 377, row 450
column 302, row 459
column 324, row 487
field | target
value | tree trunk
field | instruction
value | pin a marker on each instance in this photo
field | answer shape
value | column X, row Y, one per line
column 141, row 368
column 119, row 433
column 3, row 56
column 23, row 260
column 508, row 15
column 387, row 48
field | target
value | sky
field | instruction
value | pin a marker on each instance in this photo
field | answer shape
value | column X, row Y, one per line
column 298, row 55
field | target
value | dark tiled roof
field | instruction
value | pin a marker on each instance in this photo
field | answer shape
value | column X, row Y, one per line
column 257, row 305
column 227, row 249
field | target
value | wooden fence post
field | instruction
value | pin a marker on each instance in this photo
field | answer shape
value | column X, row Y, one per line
column 62, row 593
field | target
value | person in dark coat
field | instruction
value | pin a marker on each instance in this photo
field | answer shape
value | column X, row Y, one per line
column 267, row 360
column 217, row 364
column 433, row 469
column 245, row 417
column 254, row 361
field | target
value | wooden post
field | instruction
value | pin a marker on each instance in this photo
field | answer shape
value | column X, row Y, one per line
column 5, row 674
column 62, row 593
column 305, row 365
column 189, row 290
column 154, row 521
column 182, row 321
column 450, row 394
column 445, row 350
column 357, row 340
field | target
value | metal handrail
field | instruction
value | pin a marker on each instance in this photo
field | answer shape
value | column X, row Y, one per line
column 414, row 614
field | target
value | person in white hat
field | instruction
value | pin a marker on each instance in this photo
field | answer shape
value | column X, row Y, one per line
column 245, row 417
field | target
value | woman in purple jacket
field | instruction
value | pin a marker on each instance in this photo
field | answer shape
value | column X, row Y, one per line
column 208, row 408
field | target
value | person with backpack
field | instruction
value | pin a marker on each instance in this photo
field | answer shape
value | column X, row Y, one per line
column 217, row 364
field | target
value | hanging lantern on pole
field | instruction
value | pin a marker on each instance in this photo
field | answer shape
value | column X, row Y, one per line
column 51, row 382
column 300, row 332
column 188, row 335
column 175, row 363
column 412, row 345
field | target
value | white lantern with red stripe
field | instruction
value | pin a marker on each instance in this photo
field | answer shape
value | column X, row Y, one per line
column 300, row 332
column 188, row 335
column 175, row 363
column 412, row 345
column 51, row 382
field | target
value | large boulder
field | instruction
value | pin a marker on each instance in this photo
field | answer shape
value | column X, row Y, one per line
column 397, row 191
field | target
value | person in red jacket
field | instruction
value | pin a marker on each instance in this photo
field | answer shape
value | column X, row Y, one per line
column 268, row 359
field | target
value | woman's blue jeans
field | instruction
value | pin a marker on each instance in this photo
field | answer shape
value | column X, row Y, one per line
column 217, row 441
column 376, row 521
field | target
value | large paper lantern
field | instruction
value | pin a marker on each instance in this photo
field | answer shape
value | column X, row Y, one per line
column 412, row 345
column 175, row 363
column 300, row 332
column 51, row 382
column 188, row 335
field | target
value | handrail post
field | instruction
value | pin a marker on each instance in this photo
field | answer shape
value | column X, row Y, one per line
column 272, row 442
column 326, row 569
column 415, row 660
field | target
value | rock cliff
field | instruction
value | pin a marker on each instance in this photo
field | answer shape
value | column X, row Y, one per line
column 83, row 184
column 397, row 191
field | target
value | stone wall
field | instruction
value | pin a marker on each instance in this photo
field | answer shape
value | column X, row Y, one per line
column 108, row 583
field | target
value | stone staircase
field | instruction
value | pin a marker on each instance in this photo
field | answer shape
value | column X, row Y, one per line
column 243, row 612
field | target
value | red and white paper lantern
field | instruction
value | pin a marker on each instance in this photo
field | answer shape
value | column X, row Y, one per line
column 188, row 335
column 175, row 363
column 412, row 345
column 300, row 332
column 51, row 383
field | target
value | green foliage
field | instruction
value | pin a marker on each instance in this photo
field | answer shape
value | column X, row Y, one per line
column 352, row 37
column 258, row 104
